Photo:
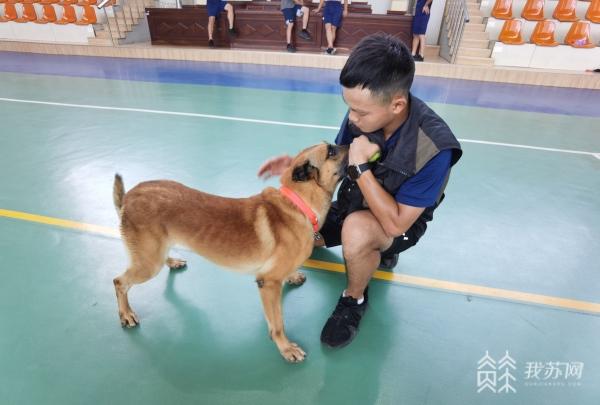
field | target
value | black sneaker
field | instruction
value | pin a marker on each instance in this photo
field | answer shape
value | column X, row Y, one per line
column 232, row 32
column 331, row 51
column 291, row 48
column 342, row 325
column 211, row 43
column 388, row 262
column 304, row 34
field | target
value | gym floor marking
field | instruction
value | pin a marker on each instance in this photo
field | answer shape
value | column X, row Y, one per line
column 414, row 281
column 269, row 122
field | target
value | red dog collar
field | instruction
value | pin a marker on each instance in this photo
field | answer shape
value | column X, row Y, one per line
column 302, row 206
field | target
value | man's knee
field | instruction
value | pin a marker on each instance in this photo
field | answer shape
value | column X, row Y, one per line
column 362, row 233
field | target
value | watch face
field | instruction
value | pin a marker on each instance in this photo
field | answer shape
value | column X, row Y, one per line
column 353, row 172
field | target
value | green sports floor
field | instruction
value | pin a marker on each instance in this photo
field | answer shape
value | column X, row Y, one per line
column 510, row 266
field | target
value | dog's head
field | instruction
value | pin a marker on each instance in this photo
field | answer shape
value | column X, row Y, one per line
column 323, row 165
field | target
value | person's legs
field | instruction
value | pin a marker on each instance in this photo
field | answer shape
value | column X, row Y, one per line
column 364, row 244
column 230, row 15
column 329, row 34
column 363, row 240
column 305, row 15
column 333, row 32
column 422, row 46
column 289, row 16
column 211, row 27
column 288, row 32
column 415, row 44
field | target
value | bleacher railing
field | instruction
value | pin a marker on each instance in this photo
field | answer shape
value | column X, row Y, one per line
column 456, row 15
column 119, row 12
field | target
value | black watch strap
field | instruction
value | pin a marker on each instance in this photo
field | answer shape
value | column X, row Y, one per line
column 364, row 167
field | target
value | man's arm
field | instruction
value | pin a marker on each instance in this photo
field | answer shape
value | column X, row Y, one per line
column 426, row 6
column 395, row 218
column 320, row 6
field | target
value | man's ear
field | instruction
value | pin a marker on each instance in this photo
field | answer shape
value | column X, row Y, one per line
column 304, row 172
column 399, row 103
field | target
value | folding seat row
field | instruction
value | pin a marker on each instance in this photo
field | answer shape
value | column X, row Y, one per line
column 534, row 10
column 543, row 34
column 29, row 14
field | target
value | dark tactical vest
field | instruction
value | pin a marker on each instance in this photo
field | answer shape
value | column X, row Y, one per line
column 422, row 136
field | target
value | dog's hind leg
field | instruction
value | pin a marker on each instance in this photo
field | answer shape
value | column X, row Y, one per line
column 147, row 257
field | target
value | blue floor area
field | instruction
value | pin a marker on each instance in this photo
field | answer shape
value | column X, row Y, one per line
column 553, row 100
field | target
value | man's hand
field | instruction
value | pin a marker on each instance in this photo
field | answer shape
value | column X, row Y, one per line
column 317, row 10
column 274, row 166
column 361, row 150
column 426, row 9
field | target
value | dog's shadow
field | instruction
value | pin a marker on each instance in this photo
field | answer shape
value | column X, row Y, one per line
column 196, row 357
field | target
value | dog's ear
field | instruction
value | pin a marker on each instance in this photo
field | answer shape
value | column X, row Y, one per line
column 304, row 172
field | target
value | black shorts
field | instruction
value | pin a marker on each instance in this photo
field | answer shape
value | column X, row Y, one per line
column 332, row 232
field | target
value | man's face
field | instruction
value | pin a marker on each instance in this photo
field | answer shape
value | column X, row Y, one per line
column 368, row 112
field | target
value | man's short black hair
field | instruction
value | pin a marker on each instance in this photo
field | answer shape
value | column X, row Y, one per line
column 382, row 64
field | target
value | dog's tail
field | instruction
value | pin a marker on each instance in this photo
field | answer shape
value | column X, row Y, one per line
column 118, row 193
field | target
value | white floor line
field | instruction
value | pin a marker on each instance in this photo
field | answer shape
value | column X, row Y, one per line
column 268, row 122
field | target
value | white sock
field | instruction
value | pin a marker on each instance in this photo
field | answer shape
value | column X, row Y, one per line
column 359, row 301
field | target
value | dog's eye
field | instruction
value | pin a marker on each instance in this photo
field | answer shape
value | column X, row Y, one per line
column 331, row 151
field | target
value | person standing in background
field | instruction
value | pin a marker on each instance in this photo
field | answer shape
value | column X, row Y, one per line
column 419, row 27
column 214, row 9
column 332, row 18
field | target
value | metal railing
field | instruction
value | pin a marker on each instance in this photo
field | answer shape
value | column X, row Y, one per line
column 119, row 11
column 456, row 15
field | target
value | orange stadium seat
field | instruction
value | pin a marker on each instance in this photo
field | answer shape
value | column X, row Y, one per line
column 89, row 16
column 502, row 9
column 511, row 33
column 579, row 35
column 49, row 1
column 543, row 34
column 49, row 15
column 69, row 16
column 593, row 12
column 533, row 10
column 565, row 10
column 28, row 14
column 10, row 13
column 88, row 3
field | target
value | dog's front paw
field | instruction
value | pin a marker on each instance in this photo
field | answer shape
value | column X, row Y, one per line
column 293, row 353
column 129, row 319
column 298, row 278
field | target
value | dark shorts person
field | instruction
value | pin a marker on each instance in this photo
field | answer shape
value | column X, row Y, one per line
column 332, row 13
column 215, row 7
column 289, row 14
column 420, row 19
column 331, row 231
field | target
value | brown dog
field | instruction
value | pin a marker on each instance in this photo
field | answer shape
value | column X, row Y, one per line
column 267, row 235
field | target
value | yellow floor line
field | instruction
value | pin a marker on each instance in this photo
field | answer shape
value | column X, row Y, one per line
column 468, row 289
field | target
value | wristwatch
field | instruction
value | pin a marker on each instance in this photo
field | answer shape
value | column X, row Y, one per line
column 354, row 171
